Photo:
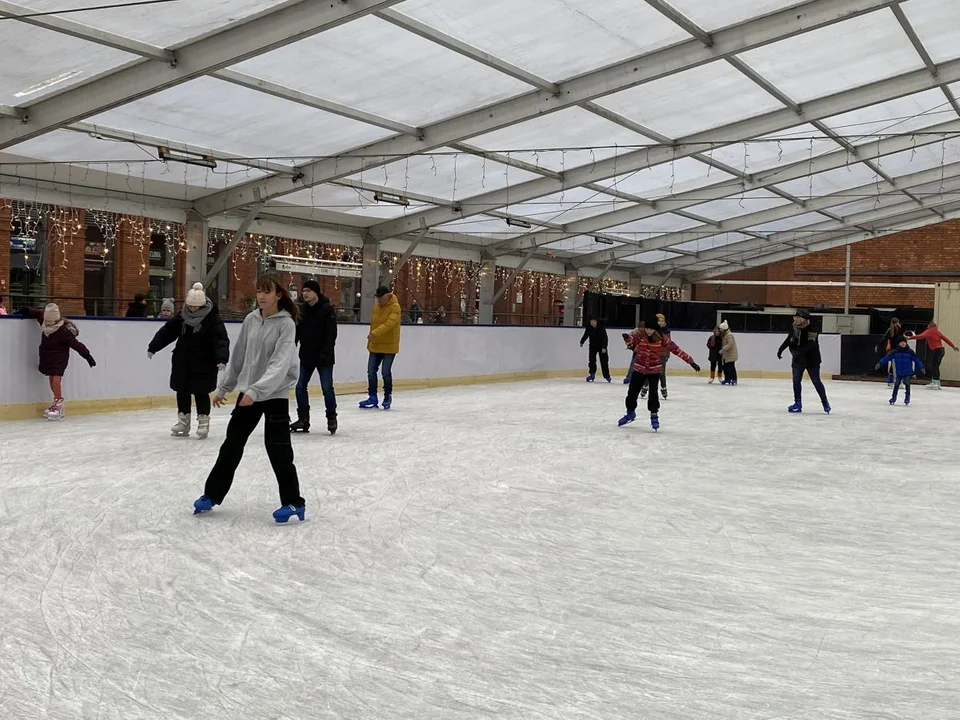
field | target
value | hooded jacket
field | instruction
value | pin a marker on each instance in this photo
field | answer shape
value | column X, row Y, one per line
column 803, row 345
column 905, row 361
column 596, row 335
column 197, row 353
column 728, row 344
column 264, row 364
column 55, row 347
column 385, row 327
column 317, row 332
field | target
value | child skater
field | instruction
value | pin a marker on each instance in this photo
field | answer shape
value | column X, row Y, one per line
column 59, row 337
column 664, row 332
column 805, row 350
column 648, row 346
column 888, row 343
column 904, row 361
column 202, row 349
column 264, row 367
column 714, row 343
column 935, row 340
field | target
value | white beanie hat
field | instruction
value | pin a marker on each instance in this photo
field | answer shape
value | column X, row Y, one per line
column 195, row 296
column 51, row 314
column 724, row 326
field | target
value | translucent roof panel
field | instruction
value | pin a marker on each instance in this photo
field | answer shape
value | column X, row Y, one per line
column 868, row 204
column 948, row 188
column 730, row 207
column 837, row 57
column 714, row 241
column 830, row 182
column 679, row 176
column 913, row 112
column 240, row 121
column 581, row 244
column 36, row 65
column 775, row 151
column 935, row 23
column 655, row 225
column 349, row 200
column 652, row 256
column 554, row 140
column 570, row 205
column 722, row 13
column 603, row 33
column 789, row 223
column 484, row 226
column 689, row 102
column 924, row 157
column 372, row 65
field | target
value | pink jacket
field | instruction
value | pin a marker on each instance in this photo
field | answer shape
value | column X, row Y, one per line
column 934, row 338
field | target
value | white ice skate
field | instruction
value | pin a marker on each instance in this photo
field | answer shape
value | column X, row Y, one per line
column 182, row 428
column 203, row 426
column 55, row 411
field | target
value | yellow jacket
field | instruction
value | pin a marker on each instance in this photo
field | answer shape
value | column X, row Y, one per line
column 385, row 328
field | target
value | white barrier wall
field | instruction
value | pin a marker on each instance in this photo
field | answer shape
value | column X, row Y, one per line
column 426, row 351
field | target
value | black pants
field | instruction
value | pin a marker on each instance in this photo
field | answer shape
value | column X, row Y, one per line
column 730, row 372
column 716, row 365
column 663, row 376
column 936, row 357
column 243, row 421
column 183, row 403
column 637, row 381
column 604, row 363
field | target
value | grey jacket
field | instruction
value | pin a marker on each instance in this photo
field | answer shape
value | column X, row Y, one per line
column 264, row 363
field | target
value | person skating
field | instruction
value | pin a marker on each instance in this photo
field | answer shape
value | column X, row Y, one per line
column 905, row 363
column 202, row 349
column 730, row 353
column 596, row 333
column 383, row 344
column 58, row 339
column 263, row 367
column 805, row 349
column 935, row 340
column 648, row 346
column 714, row 343
column 888, row 343
column 317, row 338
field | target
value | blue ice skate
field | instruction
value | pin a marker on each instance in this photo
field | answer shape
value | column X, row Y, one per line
column 283, row 514
column 893, row 401
column 591, row 377
column 626, row 381
column 609, row 380
column 827, row 408
column 387, row 401
column 370, row 402
column 202, row 504
column 654, row 421
column 906, row 401
column 795, row 408
column 628, row 418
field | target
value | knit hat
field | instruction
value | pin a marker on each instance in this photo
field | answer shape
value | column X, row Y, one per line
column 196, row 296
column 801, row 313
column 312, row 285
column 51, row 314
column 168, row 305
column 724, row 327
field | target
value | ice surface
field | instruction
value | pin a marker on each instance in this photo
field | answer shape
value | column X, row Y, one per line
column 502, row 551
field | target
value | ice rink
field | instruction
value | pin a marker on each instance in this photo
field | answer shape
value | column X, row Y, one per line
column 500, row 551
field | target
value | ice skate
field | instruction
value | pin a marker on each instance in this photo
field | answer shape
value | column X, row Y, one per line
column 203, row 426
column 628, row 418
column 283, row 514
column 202, row 504
column 182, row 428
column 626, row 381
column 906, row 401
column 710, row 381
column 795, row 408
column 387, row 402
column 609, row 380
column 827, row 408
column 934, row 385
column 655, row 422
column 643, row 392
column 302, row 425
column 893, row 401
column 332, row 422
column 663, row 393
column 371, row 402
column 56, row 411
column 591, row 377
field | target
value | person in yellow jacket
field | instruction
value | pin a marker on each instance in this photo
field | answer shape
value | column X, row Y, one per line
column 383, row 344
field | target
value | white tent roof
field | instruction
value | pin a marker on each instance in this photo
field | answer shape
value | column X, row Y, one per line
column 690, row 137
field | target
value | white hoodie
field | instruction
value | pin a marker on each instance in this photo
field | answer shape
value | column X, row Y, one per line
column 264, row 363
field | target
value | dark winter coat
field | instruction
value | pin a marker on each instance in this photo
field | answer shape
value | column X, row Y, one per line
column 714, row 343
column 596, row 335
column 903, row 359
column 317, row 333
column 136, row 310
column 197, row 354
column 803, row 345
column 55, row 348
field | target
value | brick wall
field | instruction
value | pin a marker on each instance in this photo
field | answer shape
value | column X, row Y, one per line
column 65, row 253
column 131, row 262
column 5, row 254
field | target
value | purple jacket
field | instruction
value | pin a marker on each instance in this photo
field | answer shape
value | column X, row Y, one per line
column 55, row 348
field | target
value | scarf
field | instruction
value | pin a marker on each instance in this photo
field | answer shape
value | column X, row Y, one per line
column 51, row 329
column 194, row 318
column 798, row 329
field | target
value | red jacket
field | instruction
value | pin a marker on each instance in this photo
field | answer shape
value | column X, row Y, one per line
column 934, row 338
column 648, row 355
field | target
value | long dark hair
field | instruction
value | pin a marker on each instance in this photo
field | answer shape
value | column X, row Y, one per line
column 268, row 283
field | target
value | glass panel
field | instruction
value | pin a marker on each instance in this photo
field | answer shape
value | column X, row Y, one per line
column 39, row 62
column 671, row 178
column 773, row 151
column 653, row 256
column 340, row 199
column 653, row 226
column 568, row 206
column 671, row 106
column 375, row 66
column 936, row 23
column 912, row 112
column 830, row 182
column 714, row 241
column 554, row 140
column 925, row 157
column 836, row 58
column 159, row 24
column 212, row 113
column 484, row 226
column 731, row 207
column 603, row 33
column 581, row 245
column 868, row 204
column 723, row 13
column 790, row 223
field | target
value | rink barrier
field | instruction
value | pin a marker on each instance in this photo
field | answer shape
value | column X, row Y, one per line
column 431, row 356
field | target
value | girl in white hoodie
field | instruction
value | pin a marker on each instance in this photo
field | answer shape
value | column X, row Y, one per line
column 264, row 366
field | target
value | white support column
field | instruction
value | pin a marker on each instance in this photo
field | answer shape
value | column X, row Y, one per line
column 846, row 285
column 686, row 292
column 635, row 288
column 570, row 298
column 196, row 262
column 488, row 276
column 370, row 278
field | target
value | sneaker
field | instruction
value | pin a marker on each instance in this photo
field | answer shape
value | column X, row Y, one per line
column 202, row 504
column 283, row 514
column 628, row 418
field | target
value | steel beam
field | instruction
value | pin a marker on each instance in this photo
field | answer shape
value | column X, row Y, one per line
column 234, row 242
column 513, row 274
column 265, row 32
column 409, row 251
column 621, row 76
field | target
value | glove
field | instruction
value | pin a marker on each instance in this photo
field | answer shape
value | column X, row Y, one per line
column 877, row 366
column 149, row 355
column 695, row 367
column 91, row 362
column 956, row 349
column 221, row 367
column 780, row 355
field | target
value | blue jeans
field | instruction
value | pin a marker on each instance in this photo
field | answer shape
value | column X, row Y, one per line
column 373, row 364
column 814, row 373
column 326, row 384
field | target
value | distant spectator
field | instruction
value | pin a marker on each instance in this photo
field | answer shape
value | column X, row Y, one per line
column 441, row 316
column 3, row 308
column 415, row 313
column 167, row 309
column 138, row 308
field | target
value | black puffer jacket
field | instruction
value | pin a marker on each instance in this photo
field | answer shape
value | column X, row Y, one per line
column 803, row 345
column 317, row 332
column 596, row 335
column 197, row 354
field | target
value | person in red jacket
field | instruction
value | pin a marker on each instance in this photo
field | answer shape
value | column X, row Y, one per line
column 59, row 337
column 935, row 340
column 649, row 348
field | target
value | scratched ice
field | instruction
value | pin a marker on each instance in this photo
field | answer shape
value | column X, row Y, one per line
column 501, row 551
